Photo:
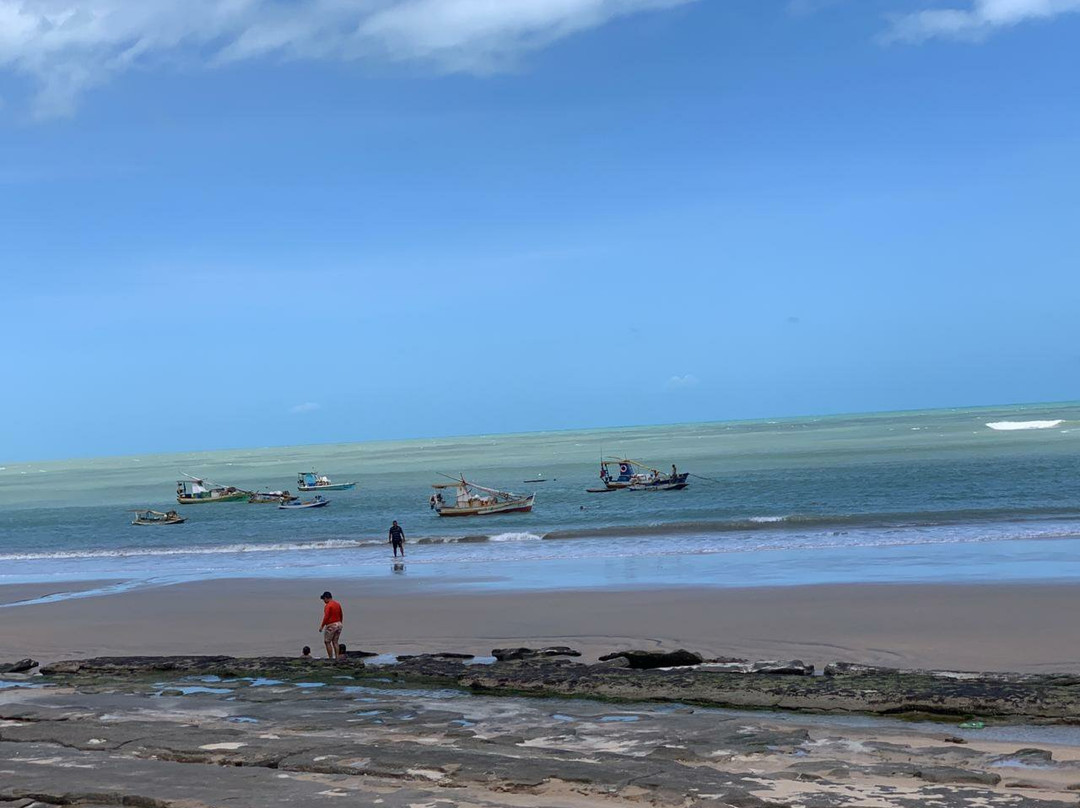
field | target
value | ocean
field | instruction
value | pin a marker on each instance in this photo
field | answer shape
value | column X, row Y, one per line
column 981, row 494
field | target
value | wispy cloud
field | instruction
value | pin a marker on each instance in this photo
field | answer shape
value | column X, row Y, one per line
column 683, row 382
column 307, row 406
column 68, row 46
column 975, row 19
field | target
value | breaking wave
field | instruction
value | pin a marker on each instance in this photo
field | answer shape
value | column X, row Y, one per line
column 516, row 537
column 225, row 549
column 798, row 527
column 1011, row 426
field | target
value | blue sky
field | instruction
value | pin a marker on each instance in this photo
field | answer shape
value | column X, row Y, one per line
column 246, row 223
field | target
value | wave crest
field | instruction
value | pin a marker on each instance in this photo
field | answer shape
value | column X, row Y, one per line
column 1012, row 426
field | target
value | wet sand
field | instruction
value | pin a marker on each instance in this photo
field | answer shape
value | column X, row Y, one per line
column 1018, row 627
column 13, row 593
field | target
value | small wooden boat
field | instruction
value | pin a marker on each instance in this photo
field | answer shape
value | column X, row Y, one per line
column 313, row 481
column 149, row 517
column 194, row 491
column 318, row 502
column 662, row 482
column 270, row 497
column 475, row 500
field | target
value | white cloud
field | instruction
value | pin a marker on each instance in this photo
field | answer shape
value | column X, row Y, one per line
column 307, row 406
column 976, row 19
column 67, row 46
column 683, row 382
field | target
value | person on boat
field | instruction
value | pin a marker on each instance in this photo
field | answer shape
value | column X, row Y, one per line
column 331, row 624
column 431, row 501
column 397, row 539
column 674, row 472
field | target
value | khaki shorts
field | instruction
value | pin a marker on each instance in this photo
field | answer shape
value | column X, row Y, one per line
column 331, row 633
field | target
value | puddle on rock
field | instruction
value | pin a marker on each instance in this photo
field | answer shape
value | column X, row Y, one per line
column 189, row 691
column 6, row 683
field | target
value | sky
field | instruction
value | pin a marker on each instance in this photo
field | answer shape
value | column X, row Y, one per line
column 230, row 223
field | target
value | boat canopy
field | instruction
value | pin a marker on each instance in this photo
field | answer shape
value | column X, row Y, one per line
column 469, row 494
column 627, row 467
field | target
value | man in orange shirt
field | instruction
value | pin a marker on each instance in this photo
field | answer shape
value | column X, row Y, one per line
column 331, row 624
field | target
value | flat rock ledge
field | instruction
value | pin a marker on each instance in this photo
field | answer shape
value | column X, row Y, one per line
column 848, row 688
column 511, row 654
column 224, row 666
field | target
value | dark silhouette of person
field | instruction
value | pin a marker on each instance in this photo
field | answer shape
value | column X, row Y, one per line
column 397, row 539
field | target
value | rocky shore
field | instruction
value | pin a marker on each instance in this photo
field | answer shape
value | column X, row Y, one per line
column 679, row 676
column 441, row 730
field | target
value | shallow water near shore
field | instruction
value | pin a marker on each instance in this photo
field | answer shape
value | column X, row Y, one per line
column 967, row 495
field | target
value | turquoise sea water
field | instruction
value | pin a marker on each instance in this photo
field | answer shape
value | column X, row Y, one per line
column 934, row 495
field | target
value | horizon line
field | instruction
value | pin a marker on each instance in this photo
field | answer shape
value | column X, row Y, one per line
column 848, row 413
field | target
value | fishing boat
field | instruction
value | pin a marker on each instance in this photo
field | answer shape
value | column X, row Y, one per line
column 149, row 517
column 471, row 499
column 659, row 481
column 313, row 481
column 317, row 502
column 269, row 497
column 193, row 491
column 636, row 476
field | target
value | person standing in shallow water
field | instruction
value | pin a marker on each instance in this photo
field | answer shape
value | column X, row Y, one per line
column 331, row 624
column 397, row 538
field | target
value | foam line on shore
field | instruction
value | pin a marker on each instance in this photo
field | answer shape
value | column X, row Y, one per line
column 787, row 532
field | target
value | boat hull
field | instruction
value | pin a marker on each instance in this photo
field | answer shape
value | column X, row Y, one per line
column 234, row 497
column 331, row 487
column 677, row 483
column 515, row 506
column 270, row 499
column 301, row 506
column 178, row 521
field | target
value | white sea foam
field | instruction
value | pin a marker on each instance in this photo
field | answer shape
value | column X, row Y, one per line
column 226, row 549
column 1008, row 426
column 767, row 519
column 516, row 537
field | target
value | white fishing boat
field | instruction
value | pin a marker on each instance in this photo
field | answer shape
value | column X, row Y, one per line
column 313, row 481
column 270, row 497
column 317, row 502
column 149, row 517
column 471, row 499
column 193, row 491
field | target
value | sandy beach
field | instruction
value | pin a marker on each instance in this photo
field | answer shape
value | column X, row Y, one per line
column 1017, row 627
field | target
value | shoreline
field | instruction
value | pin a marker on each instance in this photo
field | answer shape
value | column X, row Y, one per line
column 1019, row 627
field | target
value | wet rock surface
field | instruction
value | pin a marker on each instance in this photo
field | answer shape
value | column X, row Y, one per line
column 435, row 655
column 512, row 654
column 217, row 665
column 644, row 660
column 188, row 732
column 845, row 688
column 22, row 666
